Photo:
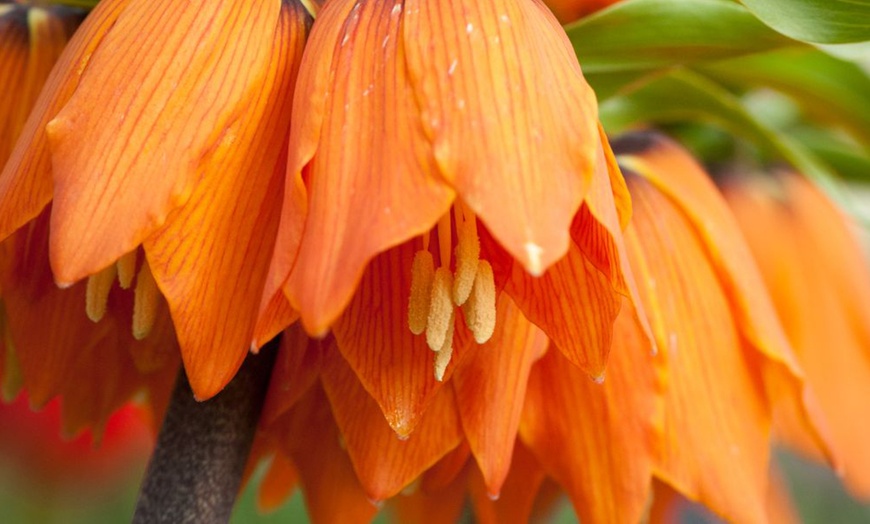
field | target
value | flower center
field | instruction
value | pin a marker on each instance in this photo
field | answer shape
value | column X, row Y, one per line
column 436, row 293
column 145, row 299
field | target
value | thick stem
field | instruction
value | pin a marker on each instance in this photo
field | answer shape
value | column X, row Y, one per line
column 196, row 469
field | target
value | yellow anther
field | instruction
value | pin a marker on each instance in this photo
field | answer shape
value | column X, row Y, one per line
column 145, row 302
column 441, row 310
column 467, row 253
column 422, row 275
column 479, row 310
column 443, row 355
column 97, row 293
column 127, row 269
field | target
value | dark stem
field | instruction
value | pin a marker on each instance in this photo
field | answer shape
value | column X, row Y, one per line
column 196, row 469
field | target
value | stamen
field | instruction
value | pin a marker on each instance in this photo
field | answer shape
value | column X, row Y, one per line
column 467, row 253
column 127, row 269
column 480, row 310
column 145, row 302
column 97, row 293
column 422, row 275
column 445, row 240
column 443, row 355
column 311, row 7
column 441, row 309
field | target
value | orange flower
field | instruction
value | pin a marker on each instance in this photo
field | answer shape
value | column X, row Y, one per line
column 403, row 130
column 47, row 362
column 512, row 414
column 817, row 275
column 697, row 415
column 726, row 366
column 164, row 126
column 407, row 108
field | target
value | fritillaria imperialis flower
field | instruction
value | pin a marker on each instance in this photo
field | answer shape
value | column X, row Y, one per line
column 415, row 170
column 817, row 275
column 50, row 361
column 515, row 416
column 158, row 148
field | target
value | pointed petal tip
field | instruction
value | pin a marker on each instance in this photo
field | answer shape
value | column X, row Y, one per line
column 533, row 259
column 63, row 284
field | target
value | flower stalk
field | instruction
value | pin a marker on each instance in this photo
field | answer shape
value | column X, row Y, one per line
column 196, row 469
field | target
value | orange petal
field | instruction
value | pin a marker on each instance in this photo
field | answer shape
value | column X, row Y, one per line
column 491, row 386
column 31, row 40
column 511, row 119
column 173, row 103
column 444, row 506
column 596, row 439
column 680, row 177
column 394, row 365
column 818, row 279
column 26, row 182
column 384, row 463
column 313, row 442
column 370, row 173
column 14, row 58
column 597, row 228
column 447, row 470
column 715, row 434
column 32, row 301
column 517, row 496
column 296, row 369
column 227, row 227
column 574, row 303
column 278, row 483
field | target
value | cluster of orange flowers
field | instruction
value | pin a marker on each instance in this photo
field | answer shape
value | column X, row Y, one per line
column 478, row 297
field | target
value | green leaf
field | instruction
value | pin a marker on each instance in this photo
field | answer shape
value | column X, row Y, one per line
column 648, row 35
column 827, row 89
column 685, row 97
column 844, row 157
column 817, row 21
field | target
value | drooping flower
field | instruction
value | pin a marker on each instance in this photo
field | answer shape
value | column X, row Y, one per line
column 421, row 184
column 697, row 415
column 160, row 143
column 817, row 276
column 47, row 362
column 727, row 367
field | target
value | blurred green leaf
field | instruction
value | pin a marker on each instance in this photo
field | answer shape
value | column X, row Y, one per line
column 686, row 96
column 828, row 89
column 817, row 21
column 849, row 161
column 636, row 38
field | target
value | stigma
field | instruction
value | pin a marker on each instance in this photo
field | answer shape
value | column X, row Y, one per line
column 438, row 292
